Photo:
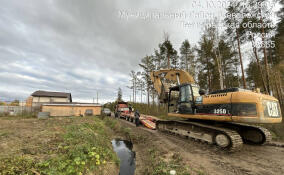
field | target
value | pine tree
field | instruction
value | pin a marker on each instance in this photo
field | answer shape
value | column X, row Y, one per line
column 217, row 59
column 141, row 86
column 279, row 38
column 262, row 17
column 147, row 64
column 205, row 60
column 253, row 75
column 167, row 51
column 119, row 94
column 133, row 76
column 158, row 60
column 210, row 57
column 228, row 62
column 278, row 56
column 187, row 58
column 234, row 27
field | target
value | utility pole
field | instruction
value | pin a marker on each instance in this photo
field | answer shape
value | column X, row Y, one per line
column 97, row 97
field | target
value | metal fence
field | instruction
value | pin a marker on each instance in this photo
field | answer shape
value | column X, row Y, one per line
column 17, row 110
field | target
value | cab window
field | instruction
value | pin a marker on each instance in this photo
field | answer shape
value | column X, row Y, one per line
column 185, row 94
column 195, row 90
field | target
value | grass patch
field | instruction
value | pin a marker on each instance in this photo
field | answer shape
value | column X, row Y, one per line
column 163, row 167
column 81, row 148
column 4, row 134
column 17, row 165
column 156, row 164
column 124, row 131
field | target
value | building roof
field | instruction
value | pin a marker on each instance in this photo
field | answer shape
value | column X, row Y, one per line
column 73, row 104
column 52, row 94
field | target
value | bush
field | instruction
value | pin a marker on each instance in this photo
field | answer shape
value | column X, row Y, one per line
column 4, row 114
column 154, row 110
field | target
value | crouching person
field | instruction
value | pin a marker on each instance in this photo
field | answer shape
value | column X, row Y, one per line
column 136, row 116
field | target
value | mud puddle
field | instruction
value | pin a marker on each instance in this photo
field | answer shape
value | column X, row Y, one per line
column 123, row 149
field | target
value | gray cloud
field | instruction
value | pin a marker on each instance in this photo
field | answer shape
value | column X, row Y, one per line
column 78, row 46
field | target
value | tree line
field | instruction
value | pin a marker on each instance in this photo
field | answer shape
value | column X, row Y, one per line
column 217, row 60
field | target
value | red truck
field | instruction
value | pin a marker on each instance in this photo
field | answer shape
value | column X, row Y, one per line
column 121, row 108
column 125, row 111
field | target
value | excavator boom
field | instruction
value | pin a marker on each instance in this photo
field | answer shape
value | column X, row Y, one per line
column 159, row 79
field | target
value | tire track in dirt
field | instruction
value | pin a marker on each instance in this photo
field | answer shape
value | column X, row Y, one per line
column 251, row 160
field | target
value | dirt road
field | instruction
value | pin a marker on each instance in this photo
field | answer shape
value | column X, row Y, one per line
column 207, row 159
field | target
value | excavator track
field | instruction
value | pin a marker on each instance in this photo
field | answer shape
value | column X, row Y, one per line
column 224, row 138
column 251, row 134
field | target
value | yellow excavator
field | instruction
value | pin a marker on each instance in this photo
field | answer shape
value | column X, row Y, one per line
column 223, row 117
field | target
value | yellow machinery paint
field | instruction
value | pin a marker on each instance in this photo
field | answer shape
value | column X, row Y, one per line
column 246, row 96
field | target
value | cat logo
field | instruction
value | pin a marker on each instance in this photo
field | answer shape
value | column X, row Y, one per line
column 272, row 109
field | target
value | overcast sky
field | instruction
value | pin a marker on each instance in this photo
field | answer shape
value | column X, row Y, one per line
column 86, row 46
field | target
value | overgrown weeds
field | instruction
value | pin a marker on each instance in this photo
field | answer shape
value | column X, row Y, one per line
column 156, row 110
column 84, row 148
column 124, row 131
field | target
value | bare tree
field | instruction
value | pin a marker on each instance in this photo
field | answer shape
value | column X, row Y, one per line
column 133, row 76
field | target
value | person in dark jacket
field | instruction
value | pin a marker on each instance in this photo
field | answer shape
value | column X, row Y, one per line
column 130, row 109
column 136, row 117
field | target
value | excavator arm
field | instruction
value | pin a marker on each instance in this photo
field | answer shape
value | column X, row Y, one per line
column 162, row 78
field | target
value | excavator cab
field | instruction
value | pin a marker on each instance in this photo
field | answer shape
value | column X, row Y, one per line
column 185, row 103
